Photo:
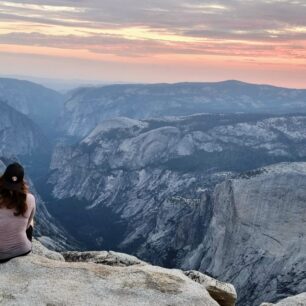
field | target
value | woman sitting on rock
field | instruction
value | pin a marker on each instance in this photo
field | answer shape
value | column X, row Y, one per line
column 17, row 209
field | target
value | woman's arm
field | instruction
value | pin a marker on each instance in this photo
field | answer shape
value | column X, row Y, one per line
column 33, row 205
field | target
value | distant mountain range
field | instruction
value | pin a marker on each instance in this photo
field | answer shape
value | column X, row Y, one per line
column 19, row 135
column 86, row 107
column 39, row 103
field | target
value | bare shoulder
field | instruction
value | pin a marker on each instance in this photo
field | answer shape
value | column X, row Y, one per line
column 31, row 198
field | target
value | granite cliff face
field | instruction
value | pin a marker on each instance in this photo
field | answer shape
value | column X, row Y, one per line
column 87, row 107
column 256, row 236
column 103, row 278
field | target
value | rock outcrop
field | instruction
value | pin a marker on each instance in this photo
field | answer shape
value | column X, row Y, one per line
column 224, row 293
column 45, row 278
column 102, row 257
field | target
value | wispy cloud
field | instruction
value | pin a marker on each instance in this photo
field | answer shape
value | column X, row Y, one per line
column 270, row 29
column 40, row 7
column 165, row 20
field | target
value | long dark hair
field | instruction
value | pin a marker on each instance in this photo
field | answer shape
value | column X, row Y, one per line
column 13, row 199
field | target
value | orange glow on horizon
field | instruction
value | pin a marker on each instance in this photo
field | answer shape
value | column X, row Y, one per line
column 67, row 32
column 173, row 59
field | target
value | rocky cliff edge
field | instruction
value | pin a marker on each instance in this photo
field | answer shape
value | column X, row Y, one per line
column 74, row 278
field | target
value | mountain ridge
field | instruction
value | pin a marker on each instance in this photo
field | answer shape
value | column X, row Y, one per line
column 41, row 104
column 229, row 81
column 87, row 107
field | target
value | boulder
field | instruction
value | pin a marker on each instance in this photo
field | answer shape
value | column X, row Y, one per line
column 224, row 293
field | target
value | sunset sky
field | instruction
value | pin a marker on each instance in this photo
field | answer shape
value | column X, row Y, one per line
column 262, row 41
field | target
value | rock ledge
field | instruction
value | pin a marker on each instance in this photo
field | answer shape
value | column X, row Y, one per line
column 46, row 277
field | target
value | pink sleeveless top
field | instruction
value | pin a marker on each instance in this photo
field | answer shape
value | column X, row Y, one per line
column 13, row 238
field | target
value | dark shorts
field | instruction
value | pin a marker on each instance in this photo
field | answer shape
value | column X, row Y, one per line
column 29, row 233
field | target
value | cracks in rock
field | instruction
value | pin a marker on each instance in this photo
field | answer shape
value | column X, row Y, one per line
column 274, row 239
